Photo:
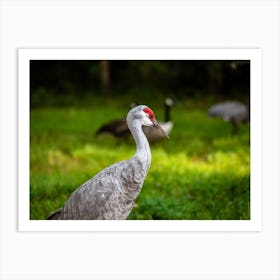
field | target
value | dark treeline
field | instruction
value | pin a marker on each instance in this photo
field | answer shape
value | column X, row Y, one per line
column 56, row 78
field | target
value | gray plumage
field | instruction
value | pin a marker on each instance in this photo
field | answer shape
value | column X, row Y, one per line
column 110, row 195
column 234, row 112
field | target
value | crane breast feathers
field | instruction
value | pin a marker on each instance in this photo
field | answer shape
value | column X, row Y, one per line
column 95, row 194
column 89, row 199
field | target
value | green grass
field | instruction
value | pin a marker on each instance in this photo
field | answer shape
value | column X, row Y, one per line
column 201, row 172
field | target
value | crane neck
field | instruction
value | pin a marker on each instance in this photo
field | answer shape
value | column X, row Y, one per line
column 143, row 152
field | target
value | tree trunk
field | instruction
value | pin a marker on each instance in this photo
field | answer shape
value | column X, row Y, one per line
column 105, row 77
column 215, row 70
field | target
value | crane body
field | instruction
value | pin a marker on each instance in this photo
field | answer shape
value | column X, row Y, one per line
column 110, row 195
column 234, row 112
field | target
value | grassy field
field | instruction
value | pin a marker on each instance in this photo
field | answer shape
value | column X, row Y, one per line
column 202, row 172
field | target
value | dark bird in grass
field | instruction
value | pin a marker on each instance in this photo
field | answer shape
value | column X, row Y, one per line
column 111, row 194
column 119, row 128
column 234, row 112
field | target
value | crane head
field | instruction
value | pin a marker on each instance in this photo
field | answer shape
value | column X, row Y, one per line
column 145, row 115
column 142, row 114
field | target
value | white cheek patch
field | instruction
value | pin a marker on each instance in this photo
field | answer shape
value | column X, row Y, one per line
column 147, row 121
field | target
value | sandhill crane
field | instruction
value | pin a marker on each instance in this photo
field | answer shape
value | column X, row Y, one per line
column 110, row 194
column 234, row 112
column 119, row 127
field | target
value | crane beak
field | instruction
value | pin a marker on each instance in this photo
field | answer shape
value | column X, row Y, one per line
column 155, row 124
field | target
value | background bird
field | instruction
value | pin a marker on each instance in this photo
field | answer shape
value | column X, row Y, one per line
column 117, row 127
column 110, row 194
column 234, row 112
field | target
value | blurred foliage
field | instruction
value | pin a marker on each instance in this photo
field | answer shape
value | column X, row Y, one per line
column 57, row 82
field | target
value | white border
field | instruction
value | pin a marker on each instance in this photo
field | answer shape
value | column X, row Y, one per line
column 254, row 55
